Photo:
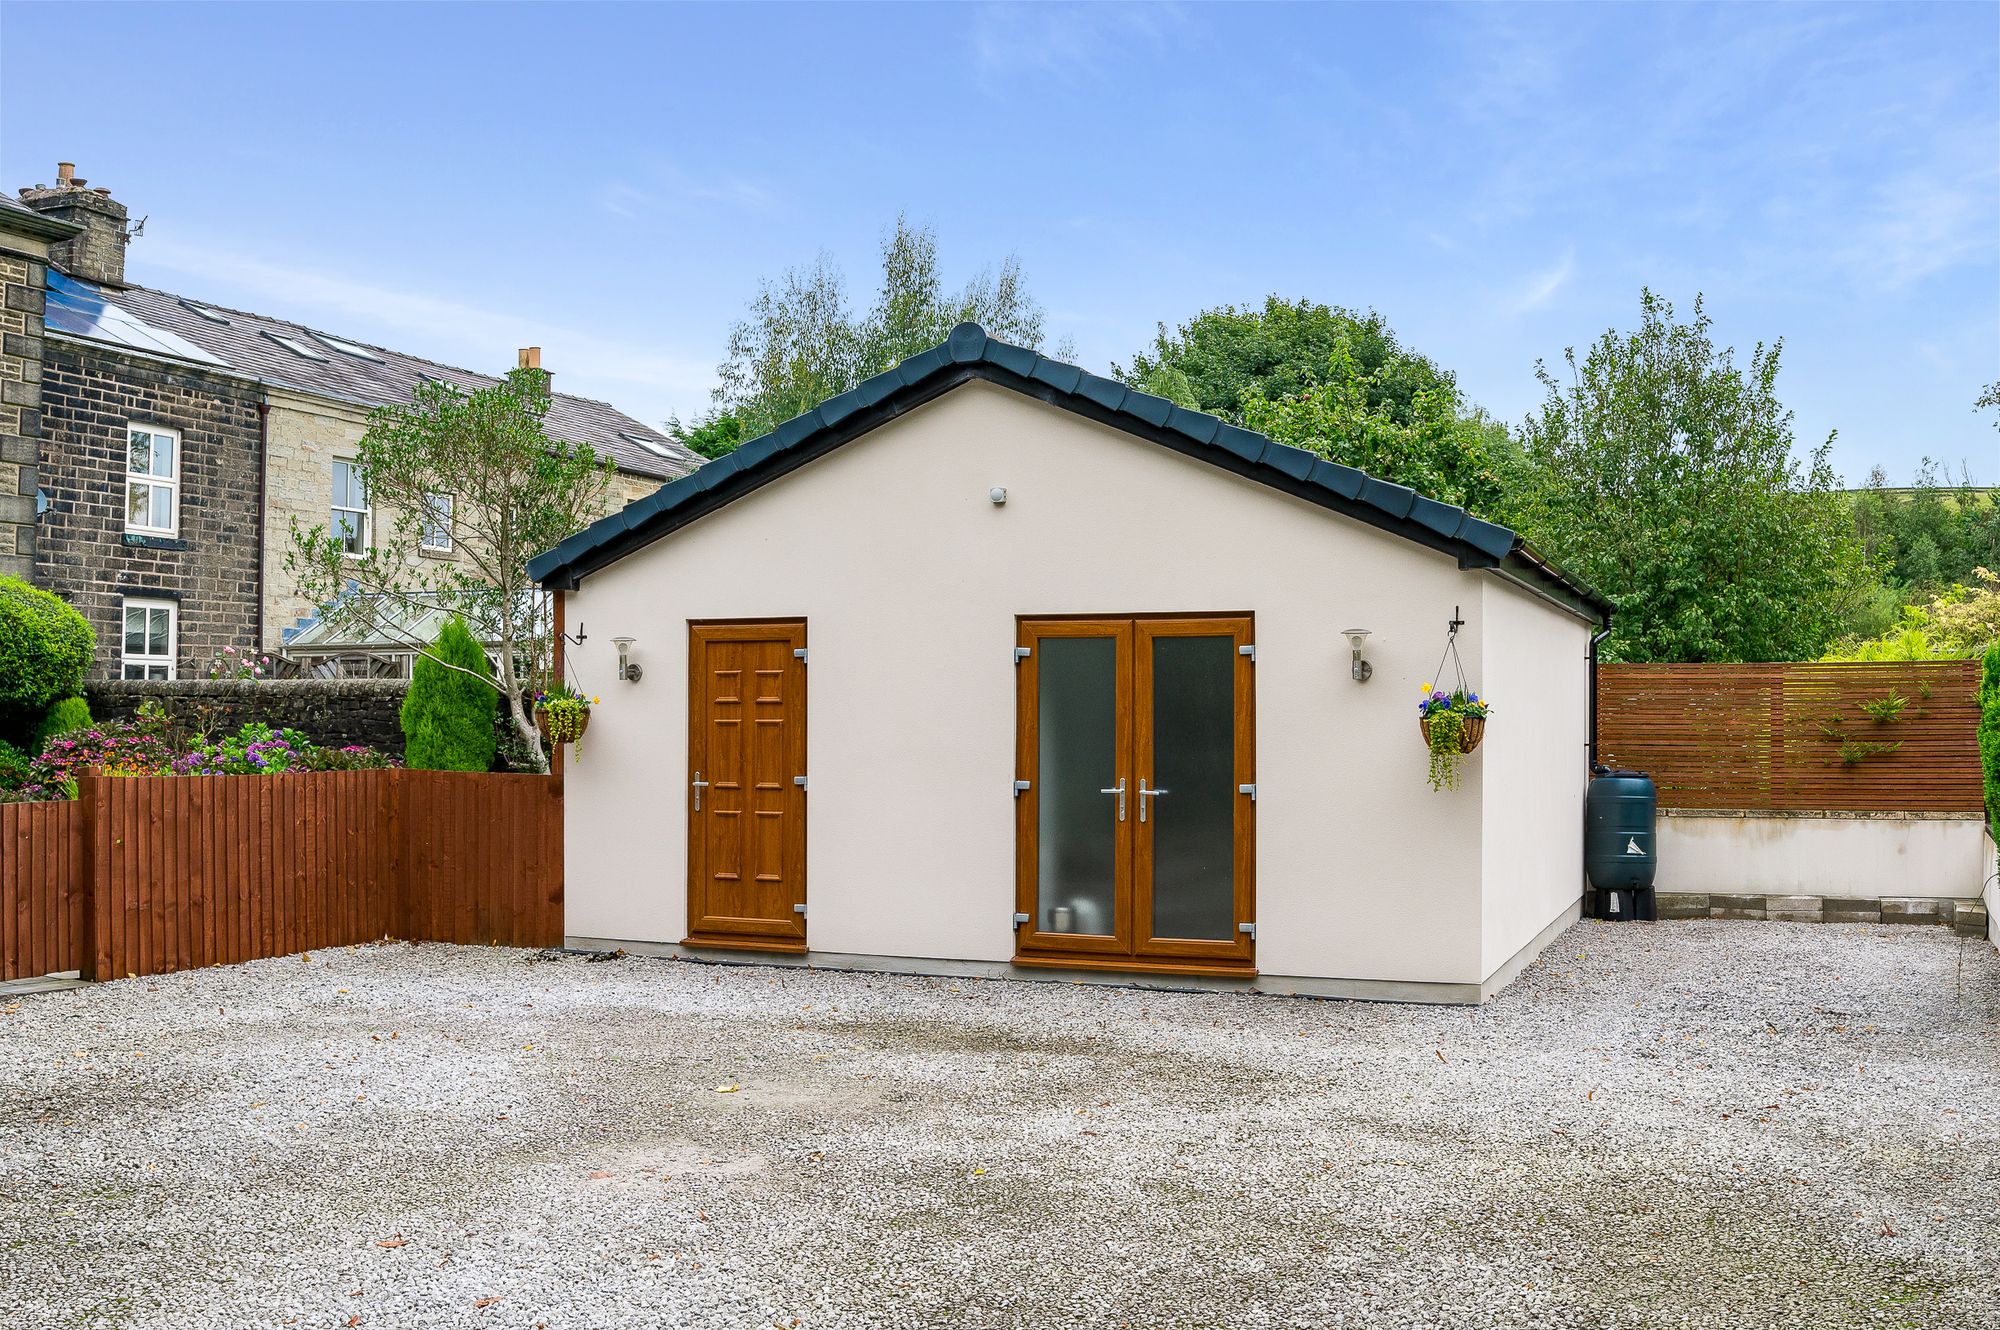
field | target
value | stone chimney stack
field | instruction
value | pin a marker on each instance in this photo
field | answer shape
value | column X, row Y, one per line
column 98, row 254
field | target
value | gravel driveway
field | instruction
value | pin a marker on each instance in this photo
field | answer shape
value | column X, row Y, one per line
column 1684, row 1124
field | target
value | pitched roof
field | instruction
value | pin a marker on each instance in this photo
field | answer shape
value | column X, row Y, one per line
column 970, row 354
column 19, row 217
column 293, row 355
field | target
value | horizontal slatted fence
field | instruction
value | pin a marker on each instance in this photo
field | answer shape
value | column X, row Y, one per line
column 1797, row 737
column 145, row 875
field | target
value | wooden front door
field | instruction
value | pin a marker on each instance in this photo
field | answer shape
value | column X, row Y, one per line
column 746, row 786
column 1135, row 827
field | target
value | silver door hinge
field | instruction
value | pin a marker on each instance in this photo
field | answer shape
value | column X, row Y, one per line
column 799, row 654
column 1021, row 785
column 799, row 781
column 800, row 908
column 1250, row 651
column 1250, row 790
column 1251, row 929
column 1022, row 653
column 1019, row 919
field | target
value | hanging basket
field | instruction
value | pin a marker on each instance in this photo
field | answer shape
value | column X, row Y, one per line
column 542, row 723
column 1471, row 730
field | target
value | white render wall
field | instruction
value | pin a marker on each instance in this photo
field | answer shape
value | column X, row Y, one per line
column 910, row 580
column 1536, row 757
column 1857, row 856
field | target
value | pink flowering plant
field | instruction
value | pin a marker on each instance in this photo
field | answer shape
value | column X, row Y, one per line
column 230, row 663
column 145, row 748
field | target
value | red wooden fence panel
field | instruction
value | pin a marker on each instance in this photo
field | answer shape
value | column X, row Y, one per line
column 1798, row 736
column 146, row 875
column 41, row 890
column 482, row 857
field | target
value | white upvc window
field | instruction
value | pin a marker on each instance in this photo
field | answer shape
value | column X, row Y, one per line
column 351, row 516
column 152, row 480
column 436, row 536
column 151, row 639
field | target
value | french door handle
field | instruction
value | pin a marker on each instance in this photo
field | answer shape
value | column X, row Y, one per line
column 1143, row 792
column 699, row 786
column 1119, row 790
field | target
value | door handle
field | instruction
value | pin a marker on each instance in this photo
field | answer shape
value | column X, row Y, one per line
column 1119, row 790
column 1143, row 792
column 699, row 786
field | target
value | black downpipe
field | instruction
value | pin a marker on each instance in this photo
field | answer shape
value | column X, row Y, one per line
column 1596, row 768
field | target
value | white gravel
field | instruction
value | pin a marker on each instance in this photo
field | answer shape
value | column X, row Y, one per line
column 1683, row 1124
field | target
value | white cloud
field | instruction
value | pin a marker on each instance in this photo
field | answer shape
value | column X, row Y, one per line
column 1541, row 288
column 669, row 188
column 1071, row 43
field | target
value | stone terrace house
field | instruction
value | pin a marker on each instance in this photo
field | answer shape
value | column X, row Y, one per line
column 158, row 449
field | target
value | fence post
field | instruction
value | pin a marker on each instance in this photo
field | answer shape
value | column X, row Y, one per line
column 95, row 870
column 399, row 880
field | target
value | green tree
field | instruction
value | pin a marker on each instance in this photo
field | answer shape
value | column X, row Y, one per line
column 448, row 712
column 802, row 342
column 1665, row 477
column 1287, row 348
column 716, row 435
column 1431, row 443
column 478, row 468
column 45, row 647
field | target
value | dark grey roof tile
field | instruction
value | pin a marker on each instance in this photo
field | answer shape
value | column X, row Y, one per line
column 249, row 344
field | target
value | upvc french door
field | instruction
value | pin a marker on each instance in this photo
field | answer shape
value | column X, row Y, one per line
column 1135, row 823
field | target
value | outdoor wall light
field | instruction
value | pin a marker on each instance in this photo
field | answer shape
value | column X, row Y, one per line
column 1362, row 669
column 628, row 670
column 998, row 494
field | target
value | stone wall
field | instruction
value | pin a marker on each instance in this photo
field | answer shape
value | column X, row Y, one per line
column 23, row 284
column 334, row 712
column 83, row 552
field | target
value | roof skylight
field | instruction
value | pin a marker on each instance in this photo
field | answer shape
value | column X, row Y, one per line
column 349, row 348
column 294, row 345
column 658, row 447
column 204, row 312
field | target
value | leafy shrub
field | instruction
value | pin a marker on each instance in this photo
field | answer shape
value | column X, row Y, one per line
column 448, row 712
column 45, row 646
column 254, row 750
column 354, row 757
column 72, row 713
column 1989, row 734
column 120, row 748
column 14, row 767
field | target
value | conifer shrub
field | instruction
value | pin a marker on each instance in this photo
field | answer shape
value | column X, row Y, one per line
column 448, row 713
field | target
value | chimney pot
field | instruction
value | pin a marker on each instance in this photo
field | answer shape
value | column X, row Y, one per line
column 530, row 358
column 65, row 172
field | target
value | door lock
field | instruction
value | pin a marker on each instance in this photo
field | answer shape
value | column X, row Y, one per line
column 699, row 786
column 1119, row 790
column 1143, row 794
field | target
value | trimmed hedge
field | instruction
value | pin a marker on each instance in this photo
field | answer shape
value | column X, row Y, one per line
column 72, row 713
column 45, row 647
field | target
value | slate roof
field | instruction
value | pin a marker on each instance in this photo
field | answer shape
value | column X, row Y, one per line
column 353, row 371
column 970, row 354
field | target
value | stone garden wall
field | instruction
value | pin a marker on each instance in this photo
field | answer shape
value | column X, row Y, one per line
column 333, row 712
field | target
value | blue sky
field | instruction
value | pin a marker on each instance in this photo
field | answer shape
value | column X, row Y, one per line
column 612, row 182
